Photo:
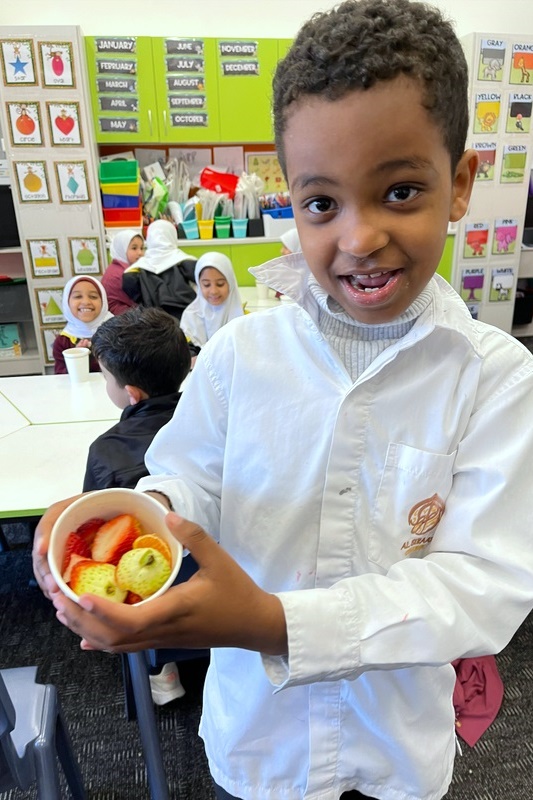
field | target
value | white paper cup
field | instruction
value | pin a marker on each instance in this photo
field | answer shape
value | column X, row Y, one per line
column 109, row 503
column 77, row 361
column 262, row 291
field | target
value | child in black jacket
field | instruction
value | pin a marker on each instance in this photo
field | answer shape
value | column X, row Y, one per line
column 144, row 357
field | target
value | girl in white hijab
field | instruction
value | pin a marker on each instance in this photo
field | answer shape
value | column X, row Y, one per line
column 217, row 301
column 164, row 276
column 84, row 305
column 126, row 248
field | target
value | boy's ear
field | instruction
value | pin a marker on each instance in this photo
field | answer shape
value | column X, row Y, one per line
column 463, row 181
column 135, row 394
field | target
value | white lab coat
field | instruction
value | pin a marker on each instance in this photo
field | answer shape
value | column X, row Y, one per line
column 311, row 483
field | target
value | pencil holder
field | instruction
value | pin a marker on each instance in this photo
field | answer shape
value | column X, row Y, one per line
column 222, row 227
column 239, row 228
column 205, row 226
column 190, row 228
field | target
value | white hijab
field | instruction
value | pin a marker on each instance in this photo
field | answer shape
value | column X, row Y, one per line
column 291, row 240
column 200, row 320
column 75, row 327
column 162, row 250
column 120, row 243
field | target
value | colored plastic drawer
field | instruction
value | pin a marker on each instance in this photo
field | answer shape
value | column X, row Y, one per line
column 123, row 217
column 120, row 201
column 119, row 172
column 120, row 188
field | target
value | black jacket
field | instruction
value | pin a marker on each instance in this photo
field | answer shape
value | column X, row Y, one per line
column 116, row 458
column 171, row 290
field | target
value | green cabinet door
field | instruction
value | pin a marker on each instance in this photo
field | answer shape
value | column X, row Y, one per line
column 123, row 99
column 245, row 68
column 446, row 262
column 185, row 79
column 244, row 256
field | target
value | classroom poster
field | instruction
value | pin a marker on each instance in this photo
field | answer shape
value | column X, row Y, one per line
column 48, row 338
column 44, row 257
column 476, row 238
column 472, row 285
column 49, row 302
column 514, row 160
column 487, row 112
column 32, row 181
column 491, row 60
column 64, row 123
column 18, row 62
column 487, row 159
column 24, row 124
column 501, row 285
column 85, row 256
column 72, row 181
column 519, row 113
column 267, row 167
column 57, row 64
column 504, row 239
column 474, row 310
column 522, row 64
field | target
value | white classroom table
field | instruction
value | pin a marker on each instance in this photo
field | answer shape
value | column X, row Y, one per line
column 46, row 399
column 10, row 418
column 41, row 464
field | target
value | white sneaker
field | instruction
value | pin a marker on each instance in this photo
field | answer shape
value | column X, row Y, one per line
column 166, row 686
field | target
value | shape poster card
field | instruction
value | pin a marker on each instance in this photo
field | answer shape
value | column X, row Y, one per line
column 18, row 62
column 487, row 112
column 57, row 64
column 522, row 63
column 32, row 181
column 85, row 256
column 474, row 310
column 44, row 257
column 476, row 238
column 472, row 285
column 504, row 239
column 501, row 284
column 24, row 124
column 491, row 60
column 48, row 337
column 519, row 113
column 50, row 305
column 64, row 121
column 513, row 163
column 72, row 181
column 487, row 159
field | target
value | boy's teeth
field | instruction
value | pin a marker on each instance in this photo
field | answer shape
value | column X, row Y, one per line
column 371, row 288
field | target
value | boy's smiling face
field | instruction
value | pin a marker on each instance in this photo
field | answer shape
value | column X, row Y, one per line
column 373, row 191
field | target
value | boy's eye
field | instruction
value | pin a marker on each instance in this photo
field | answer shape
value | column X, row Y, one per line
column 320, row 205
column 401, row 193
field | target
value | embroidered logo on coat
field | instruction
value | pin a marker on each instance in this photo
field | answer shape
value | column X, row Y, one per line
column 423, row 518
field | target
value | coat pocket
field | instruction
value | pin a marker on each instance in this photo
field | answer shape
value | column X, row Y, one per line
column 410, row 503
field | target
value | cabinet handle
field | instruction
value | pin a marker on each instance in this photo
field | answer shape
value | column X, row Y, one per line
column 150, row 121
column 165, row 120
column 91, row 216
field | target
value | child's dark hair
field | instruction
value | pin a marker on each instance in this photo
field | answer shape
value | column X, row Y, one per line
column 360, row 42
column 144, row 347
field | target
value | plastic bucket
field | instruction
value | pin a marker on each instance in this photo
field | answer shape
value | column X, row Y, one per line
column 190, row 228
column 239, row 228
column 205, row 226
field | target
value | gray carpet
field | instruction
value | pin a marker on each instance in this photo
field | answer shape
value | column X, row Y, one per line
column 499, row 767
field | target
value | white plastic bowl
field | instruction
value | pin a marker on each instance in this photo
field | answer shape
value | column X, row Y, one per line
column 107, row 504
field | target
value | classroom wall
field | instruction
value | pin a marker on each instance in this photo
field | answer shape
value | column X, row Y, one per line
column 246, row 18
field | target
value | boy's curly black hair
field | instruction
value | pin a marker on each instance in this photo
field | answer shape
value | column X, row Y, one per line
column 144, row 347
column 361, row 42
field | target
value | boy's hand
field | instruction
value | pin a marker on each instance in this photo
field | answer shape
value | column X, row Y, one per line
column 220, row 606
column 41, row 570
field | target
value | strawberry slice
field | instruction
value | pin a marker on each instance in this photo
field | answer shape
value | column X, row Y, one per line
column 115, row 538
column 74, row 544
column 74, row 559
column 89, row 529
column 132, row 598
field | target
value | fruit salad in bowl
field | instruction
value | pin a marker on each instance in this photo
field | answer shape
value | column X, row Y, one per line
column 114, row 543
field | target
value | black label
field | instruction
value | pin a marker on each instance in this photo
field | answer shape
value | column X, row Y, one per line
column 240, row 68
column 185, row 64
column 177, row 46
column 188, row 82
column 118, row 103
column 117, row 66
column 237, row 48
column 119, row 125
column 116, row 85
column 188, row 120
column 186, row 100
column 116, row 45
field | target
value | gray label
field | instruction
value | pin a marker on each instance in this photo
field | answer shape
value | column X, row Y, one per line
column 186, row 100
column 181, row 82
column 116, row 85
column 188, row 120
column 118, row 103
column 237, row 48
column 117, row 66
column 176, row 46
column 119, row 125
column 185, row 64
column 240, row 68
column 116, row 45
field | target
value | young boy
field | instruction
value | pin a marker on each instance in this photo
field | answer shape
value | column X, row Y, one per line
column 144, row 358
column 362, row 455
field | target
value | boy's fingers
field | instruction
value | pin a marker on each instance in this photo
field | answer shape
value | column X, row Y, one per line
column 192, row 537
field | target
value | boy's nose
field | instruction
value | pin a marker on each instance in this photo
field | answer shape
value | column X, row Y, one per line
column 362, row 237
